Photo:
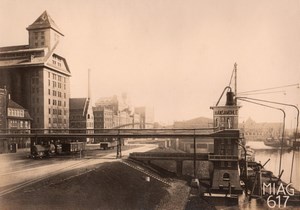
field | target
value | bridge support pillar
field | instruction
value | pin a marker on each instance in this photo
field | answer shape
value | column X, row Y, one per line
column 179, row 164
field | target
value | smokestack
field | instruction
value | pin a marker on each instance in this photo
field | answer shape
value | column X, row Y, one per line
column 89, row 84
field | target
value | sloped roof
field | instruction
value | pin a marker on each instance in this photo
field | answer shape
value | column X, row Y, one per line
column 81, row 104
column 44, row 21
column 12, row 104
column 77, row 103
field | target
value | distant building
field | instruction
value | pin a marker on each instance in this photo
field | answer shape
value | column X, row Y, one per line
column 146, row 116
column 136, row 119
column 13, row 116
column 201, row 122
column 37, row 77
column 254, row 131
column 112, row 103
column 103, row 119
column 121, row 112
column 81, row 116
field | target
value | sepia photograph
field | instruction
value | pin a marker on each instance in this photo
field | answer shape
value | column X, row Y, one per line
column 149, row 104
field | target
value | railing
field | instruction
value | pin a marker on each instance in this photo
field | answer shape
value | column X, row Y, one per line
column 223, row 157
column 123, row 133
column 169, row 156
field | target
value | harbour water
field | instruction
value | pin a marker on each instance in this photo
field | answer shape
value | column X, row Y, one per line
column 263, row 153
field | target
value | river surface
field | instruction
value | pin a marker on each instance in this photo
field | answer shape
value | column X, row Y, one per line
column 263, row 153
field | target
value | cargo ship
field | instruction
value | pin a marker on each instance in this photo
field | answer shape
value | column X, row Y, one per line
column 278, row 142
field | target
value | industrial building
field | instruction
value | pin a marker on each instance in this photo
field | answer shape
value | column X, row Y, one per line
column 37, row 76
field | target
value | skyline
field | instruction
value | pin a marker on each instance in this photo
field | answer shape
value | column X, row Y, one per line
column 175, row 56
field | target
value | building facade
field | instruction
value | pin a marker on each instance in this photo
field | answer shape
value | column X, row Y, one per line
column 37, row 77
column 81, row 116
column 13, row 117
column 18, row 118
column 103, row 119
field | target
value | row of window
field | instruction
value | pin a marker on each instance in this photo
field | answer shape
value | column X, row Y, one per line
column 56, row 84
column 18, row 124
column 57, row 102
column 56, row 76
column 57, row 120
column 57, row 111
column 19, row 55
column 15, row 112
column 56, row 63
column 56, row 93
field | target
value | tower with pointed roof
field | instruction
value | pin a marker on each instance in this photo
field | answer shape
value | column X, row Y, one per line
column 44, row 32
column 37, row 76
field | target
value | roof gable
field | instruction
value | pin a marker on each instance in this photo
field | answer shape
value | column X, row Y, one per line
column 12, row 104
column 77, row 103
column 44, row 21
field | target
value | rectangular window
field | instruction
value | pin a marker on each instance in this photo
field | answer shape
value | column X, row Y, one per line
column 49, row 92
column 49, row 101
column 49, row 111
column 49, row 120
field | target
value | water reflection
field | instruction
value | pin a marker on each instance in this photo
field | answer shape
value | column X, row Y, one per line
column 263, row 153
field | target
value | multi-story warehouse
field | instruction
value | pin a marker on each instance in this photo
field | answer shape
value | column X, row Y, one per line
column 81, row 116
column 37, row 77
column 103, row 119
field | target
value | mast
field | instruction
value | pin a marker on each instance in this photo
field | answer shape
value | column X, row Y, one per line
column 235, row 82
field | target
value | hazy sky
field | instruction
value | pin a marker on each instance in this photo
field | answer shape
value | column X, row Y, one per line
column 174, row 55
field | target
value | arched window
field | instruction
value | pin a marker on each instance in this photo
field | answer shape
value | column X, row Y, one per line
column 226, row 177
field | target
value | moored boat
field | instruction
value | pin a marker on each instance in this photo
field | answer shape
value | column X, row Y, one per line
column 278, row 142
